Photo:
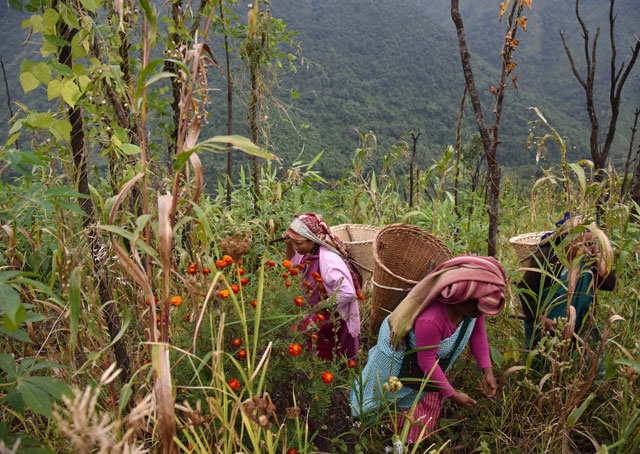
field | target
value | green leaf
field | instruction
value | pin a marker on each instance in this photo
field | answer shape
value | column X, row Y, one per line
column 14, row 311
column 182, row 158
column 582, row 179
column 39, row 120
column 28, row 81
column 55, row 388
column 294, row 94
column 61, row 68
column 19, row 334
column 140, row 244
column 159, row 76
column 42, row 72
column 50, row 18
column 64, row 191
column 130, row 149
column 496, row 356
column 53, row 39
column 70, row 92
column 15, row 401
column 146, row 72
column 575, row 414
column 73, row 207
column 74, row 305
column 8, row 365
column 238, row 142
column 16, row 4
column 35, row 398
column 53, row 89
column 91, row 5
column 61, row 129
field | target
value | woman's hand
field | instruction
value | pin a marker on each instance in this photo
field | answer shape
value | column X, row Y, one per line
column 463, row 399
column 488, row 382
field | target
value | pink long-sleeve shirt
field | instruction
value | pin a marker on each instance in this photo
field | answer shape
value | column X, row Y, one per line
column 432, row 326
column 337, row 279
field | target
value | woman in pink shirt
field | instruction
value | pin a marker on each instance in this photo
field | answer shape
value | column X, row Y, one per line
column 441, row 314
column 327, row 272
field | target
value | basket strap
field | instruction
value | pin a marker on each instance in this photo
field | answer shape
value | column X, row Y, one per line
column 389, row 288
column 358, row 264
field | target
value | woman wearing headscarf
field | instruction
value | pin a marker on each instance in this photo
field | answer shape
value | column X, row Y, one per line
column 443, row 313
column 550, row 290
column 327, row 271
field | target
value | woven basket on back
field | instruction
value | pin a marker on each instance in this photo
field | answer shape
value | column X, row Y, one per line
column 403, row 255
column 358, row 239
column 526, row 244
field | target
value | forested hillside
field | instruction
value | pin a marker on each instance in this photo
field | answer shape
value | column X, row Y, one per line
column 392, row 67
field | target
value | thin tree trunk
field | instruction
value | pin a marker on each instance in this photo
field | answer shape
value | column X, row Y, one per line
column 494, row 168
column 413, row 158
column 79, row 154
column 6, row 86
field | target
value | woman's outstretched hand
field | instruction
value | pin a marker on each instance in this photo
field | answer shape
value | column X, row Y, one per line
column 463, row 399
column 488, row 382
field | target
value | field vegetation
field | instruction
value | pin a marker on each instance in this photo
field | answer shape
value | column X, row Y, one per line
column 146, row 305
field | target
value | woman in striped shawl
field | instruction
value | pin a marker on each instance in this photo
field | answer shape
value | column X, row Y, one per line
column 440, row 315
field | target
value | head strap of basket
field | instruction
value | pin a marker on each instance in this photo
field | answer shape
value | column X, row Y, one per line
column 403, row 255
column 527, row 244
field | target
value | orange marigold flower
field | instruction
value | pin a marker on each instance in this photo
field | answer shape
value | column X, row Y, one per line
column 240, row 271
column 311, row 375
column 287, row 264
column 327, row 377
column 292, row 451
column 315, row 274
column 319, row 280
column 314, row 336
column 242, row 354
column 224, row 293
column 240, row 262
column 295, row 349
column 228, row 259
column 320, row 317
column 244, row 281
column 155, row 300
column 360, row 296
column 271, row 263
column 254, row 303
column 306, row 284
column 284, row 275
column 288, row 283
column 351, row 363
column 234, row 384
column 293, row 271
column 235, row 288
column 221, row 264
column 317, row 397
column 193, row 269
column 300, row 266
column 236, row 343
column 146, row 361
column 298, row 301
column 176, row 301
column 206, row 271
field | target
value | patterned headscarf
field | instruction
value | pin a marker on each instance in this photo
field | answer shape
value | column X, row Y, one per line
column 459, row 279
column 312, row 227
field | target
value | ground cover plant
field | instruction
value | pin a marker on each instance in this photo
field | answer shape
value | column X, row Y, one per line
column 149, row 307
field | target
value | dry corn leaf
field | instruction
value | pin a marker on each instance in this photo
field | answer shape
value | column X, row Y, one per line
column 165, row 409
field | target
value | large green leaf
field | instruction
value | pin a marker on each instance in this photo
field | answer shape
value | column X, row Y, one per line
column 53, row 89
column 61, row 129
column 14, row 311
column 70, row 92
column 42, row 72
column 63, row 191
column 35, row 398
column 575, row 414
column 28, row 81
column 130, row 149
column 39, row 120
column 74, row 305
column 8, row 366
